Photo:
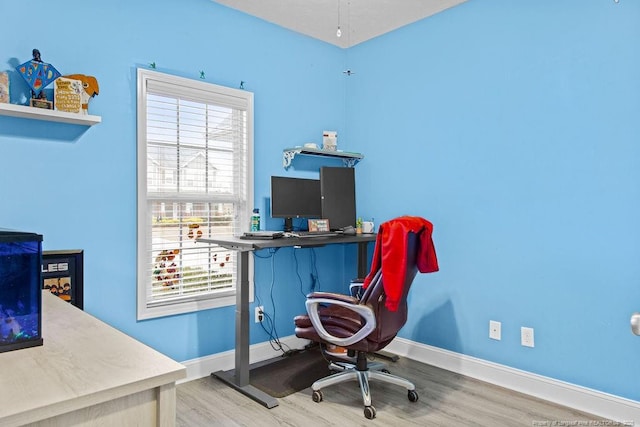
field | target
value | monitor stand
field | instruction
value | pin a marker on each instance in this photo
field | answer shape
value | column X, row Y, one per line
column 288, row 225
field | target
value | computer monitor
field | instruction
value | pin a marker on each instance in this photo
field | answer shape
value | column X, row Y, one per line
column 338, row 196
column 294, row 198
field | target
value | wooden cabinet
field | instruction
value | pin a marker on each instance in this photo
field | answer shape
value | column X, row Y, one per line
column 86, row 373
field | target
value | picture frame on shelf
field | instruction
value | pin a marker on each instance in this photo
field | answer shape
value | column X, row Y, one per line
column 4, row 87
column 67, row 95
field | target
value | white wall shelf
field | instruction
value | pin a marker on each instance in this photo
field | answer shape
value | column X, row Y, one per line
column 349, row 159
column 26, row 112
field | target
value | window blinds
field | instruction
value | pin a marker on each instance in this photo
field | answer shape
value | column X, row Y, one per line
column 196, row 186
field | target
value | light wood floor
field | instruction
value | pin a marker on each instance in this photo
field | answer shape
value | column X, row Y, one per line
column 445, row 399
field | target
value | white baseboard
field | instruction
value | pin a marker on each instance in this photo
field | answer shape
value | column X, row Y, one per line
column 581, row 398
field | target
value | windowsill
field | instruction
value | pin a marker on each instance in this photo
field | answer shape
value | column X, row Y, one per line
column 145, row 313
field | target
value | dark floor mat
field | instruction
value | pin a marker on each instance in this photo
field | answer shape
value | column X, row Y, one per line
column 290, row 374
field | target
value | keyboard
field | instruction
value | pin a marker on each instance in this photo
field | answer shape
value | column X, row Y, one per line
column 311, row 234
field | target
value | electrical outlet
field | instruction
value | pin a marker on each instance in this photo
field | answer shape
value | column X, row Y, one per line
column 259, row 314
column 526, row 337
column 495, row 330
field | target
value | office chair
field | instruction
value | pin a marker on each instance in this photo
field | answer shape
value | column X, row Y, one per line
column 368, row 324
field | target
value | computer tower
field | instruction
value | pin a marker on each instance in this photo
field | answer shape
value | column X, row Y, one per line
column 338, row 196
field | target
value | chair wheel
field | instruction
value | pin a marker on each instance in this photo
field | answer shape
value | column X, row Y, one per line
column 317, row 396
column 386, row 371
column 369, row 412
column 412, row 395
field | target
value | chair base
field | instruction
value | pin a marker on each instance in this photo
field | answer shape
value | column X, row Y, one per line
column 374, row 371
column 363, row 378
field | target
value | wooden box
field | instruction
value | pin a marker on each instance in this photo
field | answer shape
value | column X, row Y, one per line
column 41, row 103
column 4, row 87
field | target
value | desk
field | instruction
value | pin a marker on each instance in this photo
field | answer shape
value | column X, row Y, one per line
column 239, row 378
column 86, row 373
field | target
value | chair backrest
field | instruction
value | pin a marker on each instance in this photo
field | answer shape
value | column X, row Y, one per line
column 388, row 323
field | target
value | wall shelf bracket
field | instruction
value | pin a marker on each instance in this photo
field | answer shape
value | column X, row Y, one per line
column 349, row 159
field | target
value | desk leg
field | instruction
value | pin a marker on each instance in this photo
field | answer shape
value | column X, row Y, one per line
column 363, row 259
column 239, row 378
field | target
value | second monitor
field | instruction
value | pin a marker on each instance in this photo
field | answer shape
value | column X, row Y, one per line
column 338, row 196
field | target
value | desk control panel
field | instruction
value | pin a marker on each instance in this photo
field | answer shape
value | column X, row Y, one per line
column 262, row 235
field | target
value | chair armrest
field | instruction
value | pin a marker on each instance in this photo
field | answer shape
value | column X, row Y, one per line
column 356, row 287
column 364, row 311
column 334, row 297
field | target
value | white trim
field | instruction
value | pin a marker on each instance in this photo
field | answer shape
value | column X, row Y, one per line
column 562, row 393
column 235, row 98
column 577, row 397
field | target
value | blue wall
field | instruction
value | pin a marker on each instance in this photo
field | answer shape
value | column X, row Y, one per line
column 513, row 126
column 77, row 186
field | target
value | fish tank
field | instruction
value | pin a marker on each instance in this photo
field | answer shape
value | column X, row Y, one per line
column 20, row 290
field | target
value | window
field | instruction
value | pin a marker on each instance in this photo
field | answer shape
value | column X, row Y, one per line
column 195, row 179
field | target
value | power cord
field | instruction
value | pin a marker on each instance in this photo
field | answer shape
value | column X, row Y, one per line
column 295, row 259
column 315, row 278
column 268, row 323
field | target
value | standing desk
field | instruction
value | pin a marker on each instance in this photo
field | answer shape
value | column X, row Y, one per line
column 238, row 378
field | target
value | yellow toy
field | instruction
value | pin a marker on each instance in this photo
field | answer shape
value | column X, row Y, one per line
column 90, row 85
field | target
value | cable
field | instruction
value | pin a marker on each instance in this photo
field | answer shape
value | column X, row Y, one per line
column 272, row 251
column 273, row 303
column 295, row 258
column 268, row 323
column 315, row 284
column 274, row 341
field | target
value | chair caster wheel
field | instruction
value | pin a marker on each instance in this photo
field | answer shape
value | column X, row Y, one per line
column 317, row 396
column 412, row 395
column 369, row 412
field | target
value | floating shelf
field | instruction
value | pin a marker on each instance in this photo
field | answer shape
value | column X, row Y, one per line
column 25, row 112
column 349, row 159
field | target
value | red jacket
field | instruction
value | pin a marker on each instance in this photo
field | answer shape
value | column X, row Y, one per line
column 390, row 253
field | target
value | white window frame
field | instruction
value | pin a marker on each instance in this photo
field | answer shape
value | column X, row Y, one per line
column 146, row 307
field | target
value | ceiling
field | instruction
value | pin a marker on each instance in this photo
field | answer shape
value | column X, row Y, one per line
column 359, row 20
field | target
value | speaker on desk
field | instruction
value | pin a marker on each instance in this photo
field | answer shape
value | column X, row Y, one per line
column 338, row 196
